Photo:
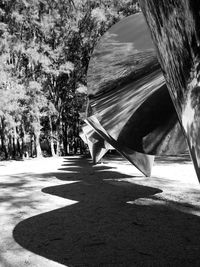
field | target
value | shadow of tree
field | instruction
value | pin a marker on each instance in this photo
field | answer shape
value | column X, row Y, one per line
column 16, row 191
column 104, row 229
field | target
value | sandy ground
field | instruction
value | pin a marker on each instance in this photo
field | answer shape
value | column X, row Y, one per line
column 66, row 212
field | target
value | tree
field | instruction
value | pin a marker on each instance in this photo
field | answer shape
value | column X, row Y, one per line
column 45, row 50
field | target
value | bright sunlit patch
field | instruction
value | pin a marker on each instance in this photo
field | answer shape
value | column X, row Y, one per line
column 188, row 113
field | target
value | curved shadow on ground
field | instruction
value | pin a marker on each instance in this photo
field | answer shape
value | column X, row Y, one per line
column 106, row 228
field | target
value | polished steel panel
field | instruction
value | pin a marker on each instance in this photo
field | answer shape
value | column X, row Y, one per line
column 96, row 144
column 128, row 97
column 127, row 91
column 175, row 29
column 143, row 162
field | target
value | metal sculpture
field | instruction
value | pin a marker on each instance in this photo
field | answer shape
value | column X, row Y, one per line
column 175, row 30
column 130, row 106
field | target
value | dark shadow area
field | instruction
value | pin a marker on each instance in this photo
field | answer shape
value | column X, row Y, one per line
column 103, row 228
column 147, row 128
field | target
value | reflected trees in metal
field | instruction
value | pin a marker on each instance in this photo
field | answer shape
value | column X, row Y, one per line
column 174, row 26
column 129, row 103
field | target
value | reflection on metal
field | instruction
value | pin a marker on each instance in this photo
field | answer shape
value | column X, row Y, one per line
column 177, row 37
column 97, row 145
column 129, row 103
column 142, row 161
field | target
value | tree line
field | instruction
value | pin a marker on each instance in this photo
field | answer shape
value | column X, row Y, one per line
column 45, row 47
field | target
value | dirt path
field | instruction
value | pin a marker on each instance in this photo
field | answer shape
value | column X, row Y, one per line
column 65, row 212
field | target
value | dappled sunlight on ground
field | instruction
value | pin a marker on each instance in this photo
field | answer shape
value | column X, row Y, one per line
column 20, row 198
column 175, row 176
column 67, row 212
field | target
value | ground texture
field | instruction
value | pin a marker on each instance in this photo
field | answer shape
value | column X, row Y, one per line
column 66, row 212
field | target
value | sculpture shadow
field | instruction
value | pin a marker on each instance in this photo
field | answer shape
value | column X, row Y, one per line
column 106, row 227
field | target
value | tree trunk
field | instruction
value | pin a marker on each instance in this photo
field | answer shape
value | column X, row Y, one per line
column 6, row 148
column 25, row 150
column 59, row 139
column 58, row 151
column 15, row 154
column 65, row 139
column 37, row 145
column 36, row 130
column 51, row 138
column 10, row 146
column 20, row 148
column 3, row 139
column 19, row 144
column 32, row 145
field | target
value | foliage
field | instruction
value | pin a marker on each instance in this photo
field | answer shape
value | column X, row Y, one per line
column 44, row 54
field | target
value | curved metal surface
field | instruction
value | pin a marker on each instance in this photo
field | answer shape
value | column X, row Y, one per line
column 176, row 34
column 97, row 145
column 128, row 95
column 141, row 161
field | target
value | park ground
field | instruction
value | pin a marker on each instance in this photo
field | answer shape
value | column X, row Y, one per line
column 66, row 212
